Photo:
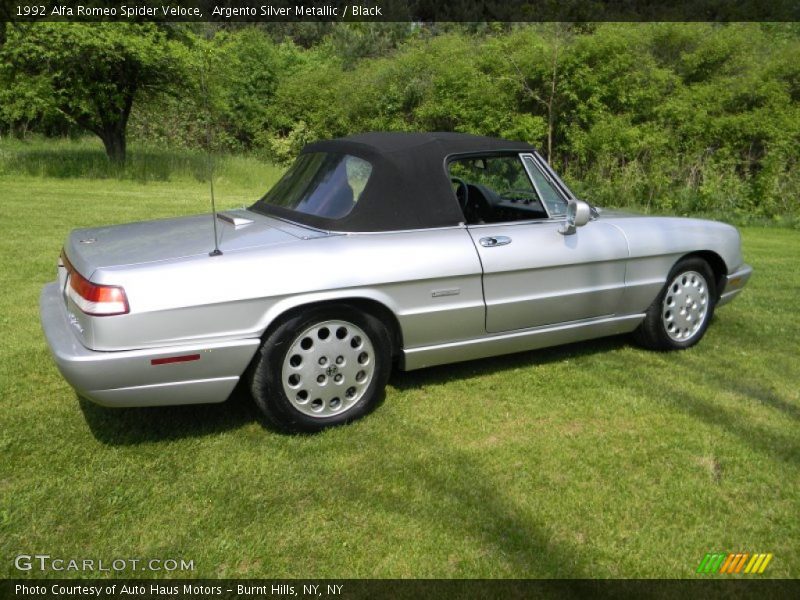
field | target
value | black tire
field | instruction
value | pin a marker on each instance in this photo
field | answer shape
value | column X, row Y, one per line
column 652, row 332
column 266, row 375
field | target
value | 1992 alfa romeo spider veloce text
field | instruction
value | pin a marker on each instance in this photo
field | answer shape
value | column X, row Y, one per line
column 373, row 251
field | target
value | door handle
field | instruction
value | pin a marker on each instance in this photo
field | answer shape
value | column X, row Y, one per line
column 497, row 240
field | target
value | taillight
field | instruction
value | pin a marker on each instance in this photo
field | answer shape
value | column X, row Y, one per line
column 92, row 298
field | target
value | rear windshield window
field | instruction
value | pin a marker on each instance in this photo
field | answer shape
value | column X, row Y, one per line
column 323, row 184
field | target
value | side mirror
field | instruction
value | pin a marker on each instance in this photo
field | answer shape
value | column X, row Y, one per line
column 578, row 215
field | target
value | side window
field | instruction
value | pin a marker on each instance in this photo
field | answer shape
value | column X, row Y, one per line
column 495, row 189
column 556, row 204
column 322, row 184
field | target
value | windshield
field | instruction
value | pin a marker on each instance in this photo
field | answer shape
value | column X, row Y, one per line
column 322, row 184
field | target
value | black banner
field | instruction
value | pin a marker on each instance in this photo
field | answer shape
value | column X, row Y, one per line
column 350, row 589
column 266, row 11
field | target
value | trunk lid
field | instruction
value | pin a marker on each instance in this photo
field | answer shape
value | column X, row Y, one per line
column 166, row 239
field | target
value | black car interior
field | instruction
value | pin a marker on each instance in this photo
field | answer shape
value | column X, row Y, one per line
column 481, row 203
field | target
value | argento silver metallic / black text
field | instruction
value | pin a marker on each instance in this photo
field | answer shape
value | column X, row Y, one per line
column 296, row 11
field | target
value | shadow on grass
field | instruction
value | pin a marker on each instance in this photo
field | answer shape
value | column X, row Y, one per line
column 131, row 426
column 761, row 438
column 445, row 490
column 759, row 393
column 448, row 493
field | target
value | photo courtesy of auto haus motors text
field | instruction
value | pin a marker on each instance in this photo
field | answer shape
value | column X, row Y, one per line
column 179, row 590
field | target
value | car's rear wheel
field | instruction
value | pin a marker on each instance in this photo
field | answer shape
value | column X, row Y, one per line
column 322, row 368
column 680, row 314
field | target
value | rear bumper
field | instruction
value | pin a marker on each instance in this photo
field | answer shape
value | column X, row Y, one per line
column 129, row 378
column 734, row 284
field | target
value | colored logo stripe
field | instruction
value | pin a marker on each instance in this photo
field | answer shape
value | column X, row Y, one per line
column 758, row 563
column 711, row 563
column 734, row 562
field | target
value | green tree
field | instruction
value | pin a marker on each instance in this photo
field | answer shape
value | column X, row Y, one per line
column 90, row 73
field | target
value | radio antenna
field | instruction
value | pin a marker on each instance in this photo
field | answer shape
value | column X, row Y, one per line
column 204, row 89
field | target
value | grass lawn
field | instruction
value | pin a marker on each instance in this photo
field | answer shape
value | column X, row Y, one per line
column 591, row 460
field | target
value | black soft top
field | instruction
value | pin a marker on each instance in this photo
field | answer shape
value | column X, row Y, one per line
column 409, row 187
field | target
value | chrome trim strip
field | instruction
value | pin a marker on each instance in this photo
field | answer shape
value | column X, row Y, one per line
column 548, row 169
column 338, row 232
column 518, row 341
column 532, row 179
column 515, row 223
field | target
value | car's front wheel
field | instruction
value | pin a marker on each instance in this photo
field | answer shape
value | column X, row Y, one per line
column 322, row 368
column 680, row 314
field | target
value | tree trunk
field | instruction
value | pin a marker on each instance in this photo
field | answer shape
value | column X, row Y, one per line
column 113, row 127
column 114, row 142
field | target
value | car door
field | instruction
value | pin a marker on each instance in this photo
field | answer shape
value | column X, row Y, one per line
column 534, row 276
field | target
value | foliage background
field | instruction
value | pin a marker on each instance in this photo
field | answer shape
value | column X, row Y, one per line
column 666, row 117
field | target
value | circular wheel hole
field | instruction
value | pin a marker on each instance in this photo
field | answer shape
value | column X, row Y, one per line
column 323, row 360
column 684, row 280
column 341, row 333
column 296, row 360
column 302, row 396
column 351, row 391
column 668, row 315
column 320, row 378
column 361, row 376
column 324, row 333
column 294, row 379
column 363, row 358
column 675, row 288
column 356, row 341
column 316, row 404
column 306, row 343
column 339, row 360
column 335, row 403
column 338, row 378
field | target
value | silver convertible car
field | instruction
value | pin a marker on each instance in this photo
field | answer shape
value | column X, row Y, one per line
column 373, row 251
